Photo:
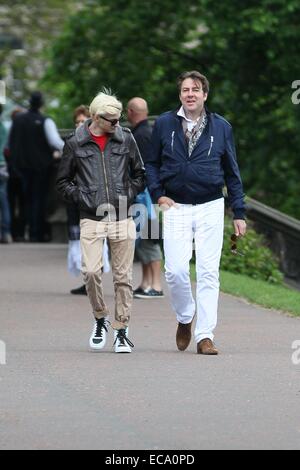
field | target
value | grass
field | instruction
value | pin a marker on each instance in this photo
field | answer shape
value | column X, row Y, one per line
column 259, row 292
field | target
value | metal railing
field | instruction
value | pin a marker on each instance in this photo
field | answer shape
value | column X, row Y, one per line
column 282, row 233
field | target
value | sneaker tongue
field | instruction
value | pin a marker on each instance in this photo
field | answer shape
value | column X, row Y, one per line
column 121, row 336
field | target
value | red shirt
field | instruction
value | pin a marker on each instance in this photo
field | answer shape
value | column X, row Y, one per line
column 101, row 140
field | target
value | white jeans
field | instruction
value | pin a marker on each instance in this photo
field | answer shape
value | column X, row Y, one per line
column 204, row 224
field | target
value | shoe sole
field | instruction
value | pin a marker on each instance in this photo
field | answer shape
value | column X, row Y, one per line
column 96, row 348
column 208, row 353
column 141, row 296
column 92, row 348
column 123, row 351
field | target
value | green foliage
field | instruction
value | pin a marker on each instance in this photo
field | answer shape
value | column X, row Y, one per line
column 249, row 50
column 25, row 29
column 254, row 258
column 255, row 68
column 260, row 292
column 136, row 48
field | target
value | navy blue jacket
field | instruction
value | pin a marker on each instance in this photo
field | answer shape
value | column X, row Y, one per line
column 201, row 177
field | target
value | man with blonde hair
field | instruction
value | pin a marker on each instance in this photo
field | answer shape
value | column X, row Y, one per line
column 102, row 171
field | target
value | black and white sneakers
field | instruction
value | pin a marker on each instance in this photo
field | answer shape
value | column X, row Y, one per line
column 122, row 343
column 98, row 337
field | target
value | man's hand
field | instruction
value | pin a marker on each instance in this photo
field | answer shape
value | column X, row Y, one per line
column 240, row 227
column 165, row 203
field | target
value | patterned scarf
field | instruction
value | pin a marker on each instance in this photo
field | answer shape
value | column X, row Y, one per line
column 194, row 135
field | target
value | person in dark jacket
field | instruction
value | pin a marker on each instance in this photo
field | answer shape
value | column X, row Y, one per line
column 33, row 139
column 102, row 171
column 193, row 157
column 5, row 218
column 15, row 190
column 147, row 250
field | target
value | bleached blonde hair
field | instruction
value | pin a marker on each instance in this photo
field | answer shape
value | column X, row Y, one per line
column 105, row 103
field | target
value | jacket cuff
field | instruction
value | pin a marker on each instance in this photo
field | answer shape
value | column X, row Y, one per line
column 157, row 194
column 75, row 195
column 239, row 214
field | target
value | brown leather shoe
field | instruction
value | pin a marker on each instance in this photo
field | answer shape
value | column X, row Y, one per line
column 206, row 346
column 183, row 335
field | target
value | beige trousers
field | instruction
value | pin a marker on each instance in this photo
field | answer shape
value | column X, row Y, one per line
column 121, row 236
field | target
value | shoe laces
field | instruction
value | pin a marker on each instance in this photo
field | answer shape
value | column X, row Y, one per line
column 122, row 338
column 99, row 326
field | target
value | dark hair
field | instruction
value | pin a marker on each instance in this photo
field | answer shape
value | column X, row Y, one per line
column 1, row 109
column 82, row 109
column 194, row 75
column 36, row 100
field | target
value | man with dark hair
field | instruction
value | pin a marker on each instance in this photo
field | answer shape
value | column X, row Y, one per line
column 193, row 156
column 33, row 139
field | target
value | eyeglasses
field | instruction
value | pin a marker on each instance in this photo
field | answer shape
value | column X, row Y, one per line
column 113, row 122
column 233, row 248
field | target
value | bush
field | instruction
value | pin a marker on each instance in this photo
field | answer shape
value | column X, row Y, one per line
column 258, row 261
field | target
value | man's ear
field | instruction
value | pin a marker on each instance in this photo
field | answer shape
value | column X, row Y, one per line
column 205, row 96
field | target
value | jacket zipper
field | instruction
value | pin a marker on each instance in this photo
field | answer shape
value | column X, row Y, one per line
column 172, row 141
column 211, row 144
column 106, row 182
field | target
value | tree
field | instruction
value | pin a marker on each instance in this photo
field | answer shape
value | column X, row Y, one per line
column 26, row 28
column 255, row 63
column 131, row 46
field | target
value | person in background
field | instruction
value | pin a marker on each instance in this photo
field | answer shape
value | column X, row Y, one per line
column 15, row 191
column 147, row 250
column 102, row 171
column 80, row 115
column 193, row 156
column 5, row 233
column 33, row 140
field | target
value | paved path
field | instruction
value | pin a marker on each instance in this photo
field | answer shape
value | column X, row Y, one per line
column 54, row 394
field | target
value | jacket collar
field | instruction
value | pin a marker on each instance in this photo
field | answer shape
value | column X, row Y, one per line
column 83, row 135
column 142, row 123
column 208, row 112
column 180, row 129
